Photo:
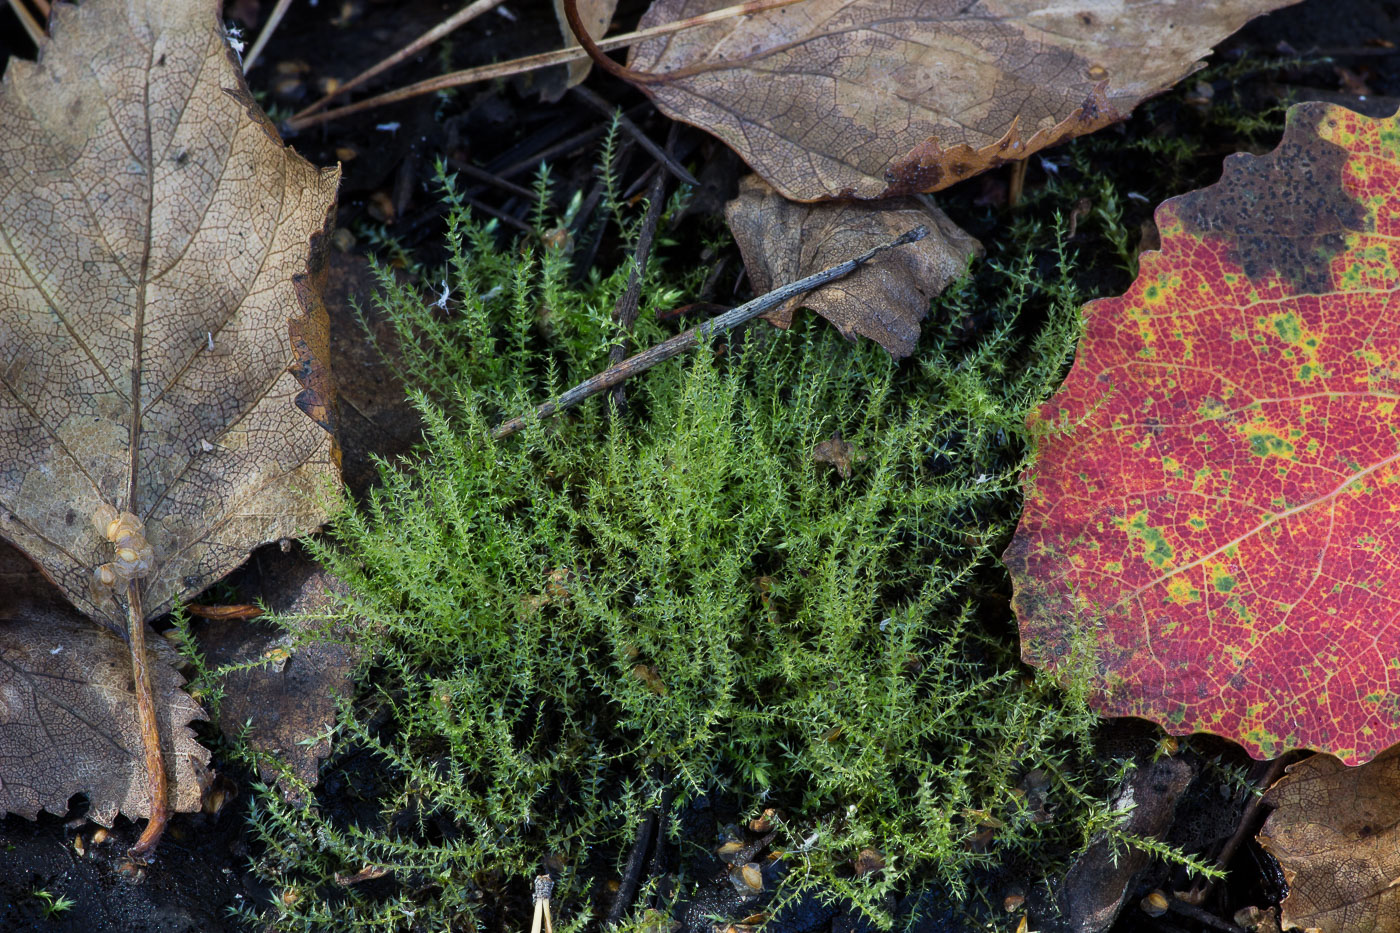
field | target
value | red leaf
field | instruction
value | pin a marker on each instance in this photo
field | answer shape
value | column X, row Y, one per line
column 1220, row 516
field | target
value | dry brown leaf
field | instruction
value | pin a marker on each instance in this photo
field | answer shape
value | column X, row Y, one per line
column 884, row 300
column 868, row 99
column 160, row 252
column 596, row 15
column 157, row 328
column 68, row 722
column 1336, row 832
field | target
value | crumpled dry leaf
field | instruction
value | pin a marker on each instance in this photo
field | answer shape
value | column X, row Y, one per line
column 158, row 326
column 885, row 300
column 68, row 722
column 1335, row 833
column 861, row 98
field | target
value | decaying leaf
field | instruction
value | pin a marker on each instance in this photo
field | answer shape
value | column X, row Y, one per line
column 161, row 342
column 835, row 451
column 1093, row 890
column 886, row 299
column 157, row 328
column 862, row 98
column 291, row 695
column 68, row 721
column 1335, row 833
column 1217, row 519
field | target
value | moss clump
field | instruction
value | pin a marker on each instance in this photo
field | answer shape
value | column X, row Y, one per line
column 615, row 612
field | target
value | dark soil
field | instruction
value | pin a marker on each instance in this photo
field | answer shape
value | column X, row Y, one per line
column 1349, row 52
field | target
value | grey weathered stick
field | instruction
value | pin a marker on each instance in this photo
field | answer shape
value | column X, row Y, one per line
column 641, row 362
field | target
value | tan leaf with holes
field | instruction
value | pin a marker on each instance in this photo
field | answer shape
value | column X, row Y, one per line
column 1336, row 832
column 68, row 722
column 885, row 299
column 871, row 99
column 160, row 343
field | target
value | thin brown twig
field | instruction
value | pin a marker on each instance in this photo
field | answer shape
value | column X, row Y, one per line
column 625, row 313
column 597, row 102
column 530, row 63
column 268, row 29
column 27, row 20
column 632, row 873
column 145, row 847
column 1275, row 771
column 485, row 177
column 641, row 362
column 1177, row 905
column 533, row 160
column 502, row 216
column 242, row 611
column 631, row 301
column 43, row 7
column 463, row 16
column 603, row 61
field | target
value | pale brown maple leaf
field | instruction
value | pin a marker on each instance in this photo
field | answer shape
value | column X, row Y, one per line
column 161, row 343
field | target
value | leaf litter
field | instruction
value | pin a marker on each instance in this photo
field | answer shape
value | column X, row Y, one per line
column 854, row 98
column 135, row 534
column 782, row 241
column 1335, row 833
column 164, row 401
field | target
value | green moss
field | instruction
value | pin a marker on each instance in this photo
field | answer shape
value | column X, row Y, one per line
column 613, row 612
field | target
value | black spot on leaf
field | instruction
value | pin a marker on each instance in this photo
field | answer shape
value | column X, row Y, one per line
column 1285, row 213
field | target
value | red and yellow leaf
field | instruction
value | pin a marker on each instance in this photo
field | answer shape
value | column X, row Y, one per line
column 1215, row 510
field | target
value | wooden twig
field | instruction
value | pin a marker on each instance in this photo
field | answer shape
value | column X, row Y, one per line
column 532, row 161
column 544, row 888
column 632, row 873
column 595, row 101
column 242, row 611
column 529, row 63
column 463, row 16
column 481, row 175
column 1176, row 905
column 269, row 27
column 641, row 362
column 625, row 313
column 1246, row 826
column 27, row 20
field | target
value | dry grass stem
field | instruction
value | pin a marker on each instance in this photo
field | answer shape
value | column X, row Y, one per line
column 529, row 63
column 27, row 20
column 268, row 29
column 463, row 16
